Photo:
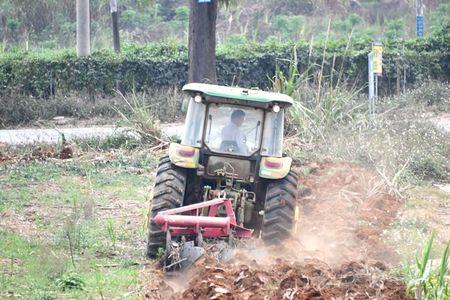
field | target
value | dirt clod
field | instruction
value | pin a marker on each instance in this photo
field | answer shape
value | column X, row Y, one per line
column 339, row 254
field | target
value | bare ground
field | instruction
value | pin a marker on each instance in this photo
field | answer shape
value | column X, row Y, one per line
column 339, row 253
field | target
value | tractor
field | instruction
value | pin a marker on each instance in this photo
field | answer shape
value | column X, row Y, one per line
column 228, row 177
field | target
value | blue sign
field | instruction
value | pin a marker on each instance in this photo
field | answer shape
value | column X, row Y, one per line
column 204, row 1
column 419, row 22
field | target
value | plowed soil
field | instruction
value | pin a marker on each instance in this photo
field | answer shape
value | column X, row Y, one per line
column 339, row 253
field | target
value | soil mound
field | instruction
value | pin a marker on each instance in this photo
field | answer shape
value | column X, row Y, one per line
column 339, row 253
column 311, row 279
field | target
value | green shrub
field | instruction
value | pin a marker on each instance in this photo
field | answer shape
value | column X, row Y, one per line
column 425, row 280
column 146, row 67
column 71, row 281
column 427, row 168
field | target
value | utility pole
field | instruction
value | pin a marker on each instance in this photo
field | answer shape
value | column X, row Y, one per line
column 83, row 28
column 419, row 18
column 115, row 25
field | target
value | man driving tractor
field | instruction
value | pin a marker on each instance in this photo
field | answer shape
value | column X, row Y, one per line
column 232, row 136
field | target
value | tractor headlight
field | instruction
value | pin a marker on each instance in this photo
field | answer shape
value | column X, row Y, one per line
column 276, row 108
column 198, row 98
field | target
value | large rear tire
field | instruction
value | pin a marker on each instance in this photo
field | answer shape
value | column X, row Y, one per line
column 168, row 192
column 279, row 209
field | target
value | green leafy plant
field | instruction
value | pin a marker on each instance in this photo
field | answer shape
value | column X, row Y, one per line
column 427, row 281
column 111, row 232
column 70, row 281
column 141, row 120
column 320, row 104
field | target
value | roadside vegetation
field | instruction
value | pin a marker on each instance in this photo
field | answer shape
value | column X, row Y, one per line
column 73, row 228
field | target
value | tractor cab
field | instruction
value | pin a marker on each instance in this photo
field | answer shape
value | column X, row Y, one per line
column 242, row 125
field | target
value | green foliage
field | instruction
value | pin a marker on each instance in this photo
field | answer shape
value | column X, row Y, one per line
column 70, row 281
column 318, row 108
column 129, row 18
column 43, row 295
column 288, row 26
column 116, row 141
column 142, row 121
column 236, row 39
column 13, row 24
column 354, row 19
column 428, row 281
column 182, row 14
column 111, row 232
column 395, row 29
column 440, row 18
column 148, row 66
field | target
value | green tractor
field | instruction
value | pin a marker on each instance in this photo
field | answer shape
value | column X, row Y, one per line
column 228, row 177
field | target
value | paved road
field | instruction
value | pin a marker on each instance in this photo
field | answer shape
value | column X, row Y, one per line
column 31, row 136
column 442, row 122
column 51, row 136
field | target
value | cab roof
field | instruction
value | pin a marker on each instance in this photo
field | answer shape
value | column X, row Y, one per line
column 247, row 95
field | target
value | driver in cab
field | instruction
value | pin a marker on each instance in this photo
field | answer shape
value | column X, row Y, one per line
column 233, row 139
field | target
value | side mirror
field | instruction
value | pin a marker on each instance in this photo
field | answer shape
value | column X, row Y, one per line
column 184, row 105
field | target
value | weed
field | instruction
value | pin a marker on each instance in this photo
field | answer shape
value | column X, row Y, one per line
column 116, row 141
column 161, row 252
column 320, row 105
column 43, row 295
column 70, row 281
column 141, row 120
column 127, row 263
column 425, row 280
column 111, row 232
column 430, row 95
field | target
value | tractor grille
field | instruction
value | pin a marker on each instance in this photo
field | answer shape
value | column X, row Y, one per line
column 240, row 167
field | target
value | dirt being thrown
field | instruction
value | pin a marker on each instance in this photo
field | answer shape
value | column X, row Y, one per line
column 311, row 279
column 340, row 253
column 345, row 214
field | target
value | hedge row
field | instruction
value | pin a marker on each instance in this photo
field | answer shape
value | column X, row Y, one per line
column 157, row 65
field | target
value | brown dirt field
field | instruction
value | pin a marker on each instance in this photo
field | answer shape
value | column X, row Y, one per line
column 339, row 254
column 346, row 213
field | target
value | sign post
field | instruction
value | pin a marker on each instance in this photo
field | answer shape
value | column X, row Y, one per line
column 375, row 69
column 419, row 18
column 377, row 50
column 371, row 84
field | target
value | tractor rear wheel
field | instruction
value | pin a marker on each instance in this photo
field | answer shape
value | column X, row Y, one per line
column 168, row 192
column 279, row 209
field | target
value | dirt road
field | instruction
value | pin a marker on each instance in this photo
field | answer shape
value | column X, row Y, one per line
column 29, row 136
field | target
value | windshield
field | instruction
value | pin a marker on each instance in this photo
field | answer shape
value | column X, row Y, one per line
column 233, row 129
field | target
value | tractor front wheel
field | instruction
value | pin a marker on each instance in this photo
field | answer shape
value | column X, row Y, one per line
column 279, row 209
column 168, row 193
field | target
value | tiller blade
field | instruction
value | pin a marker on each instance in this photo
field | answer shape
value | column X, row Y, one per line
column 187, row 222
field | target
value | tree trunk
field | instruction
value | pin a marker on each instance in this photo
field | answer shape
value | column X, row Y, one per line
column 202, row 42
column 115, row 25
column 83, row 28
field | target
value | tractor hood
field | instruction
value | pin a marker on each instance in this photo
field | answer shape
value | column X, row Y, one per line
column 244, row 96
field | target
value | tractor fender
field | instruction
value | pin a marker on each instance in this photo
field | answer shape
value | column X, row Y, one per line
column 184, row 156
column 274, row 167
